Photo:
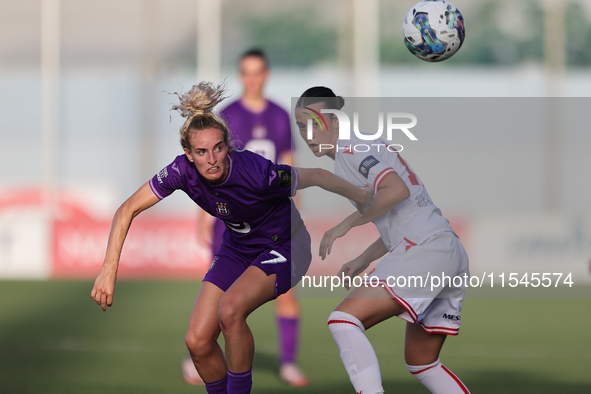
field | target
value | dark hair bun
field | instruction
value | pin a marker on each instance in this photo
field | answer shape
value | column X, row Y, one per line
column 321, row 94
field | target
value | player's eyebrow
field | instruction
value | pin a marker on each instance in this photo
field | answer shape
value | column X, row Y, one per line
column 215, row 146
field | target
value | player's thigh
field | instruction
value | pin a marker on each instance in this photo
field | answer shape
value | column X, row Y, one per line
column 252, row 289
column 420, row 347
column 371, row 305
column 204, row 320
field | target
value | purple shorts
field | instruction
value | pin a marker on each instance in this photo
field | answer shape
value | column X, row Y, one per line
column 218, row 235
column 289, row 262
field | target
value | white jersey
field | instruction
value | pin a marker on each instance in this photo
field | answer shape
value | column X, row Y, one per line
column 414, row 219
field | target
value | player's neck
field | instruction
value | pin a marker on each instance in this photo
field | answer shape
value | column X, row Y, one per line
column 254, row 103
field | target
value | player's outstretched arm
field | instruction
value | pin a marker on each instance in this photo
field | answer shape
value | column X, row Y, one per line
column 104, row 286
column 328, row 181
column 391, row 192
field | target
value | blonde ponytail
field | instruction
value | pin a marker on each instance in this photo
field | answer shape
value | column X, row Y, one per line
column 196, row 106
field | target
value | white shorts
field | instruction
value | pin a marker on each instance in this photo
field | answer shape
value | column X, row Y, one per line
column 421, row 278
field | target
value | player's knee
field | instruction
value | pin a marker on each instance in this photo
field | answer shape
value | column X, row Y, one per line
column 198, row 344
column 229, row 314
column 338, row 321
column 421, row 371
column 420, row 358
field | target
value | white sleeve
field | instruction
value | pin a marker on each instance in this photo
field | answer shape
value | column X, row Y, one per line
column 367, row 167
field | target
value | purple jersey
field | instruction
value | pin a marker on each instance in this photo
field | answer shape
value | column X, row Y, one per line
column 267, row 133
column 253, row 201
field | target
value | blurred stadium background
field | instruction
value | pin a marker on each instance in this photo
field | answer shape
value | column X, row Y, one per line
column 85, row 122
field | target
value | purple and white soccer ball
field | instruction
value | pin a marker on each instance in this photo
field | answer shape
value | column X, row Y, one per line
column 433, row 30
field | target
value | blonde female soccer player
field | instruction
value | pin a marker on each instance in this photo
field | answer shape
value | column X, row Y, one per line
column 416, row 241
column 266, row 247
column 265, row 128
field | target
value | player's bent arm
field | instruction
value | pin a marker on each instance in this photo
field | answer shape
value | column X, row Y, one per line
column 374, row 251
column 328, row 181
column 104, row 286
column 360, row 263
column 141, row 200
column 391, row 192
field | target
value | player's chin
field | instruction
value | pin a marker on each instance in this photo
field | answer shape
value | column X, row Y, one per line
column 214, row 176
column 317, row 151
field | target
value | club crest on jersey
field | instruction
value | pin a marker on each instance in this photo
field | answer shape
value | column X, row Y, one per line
column 366, row 165
column 222, row 208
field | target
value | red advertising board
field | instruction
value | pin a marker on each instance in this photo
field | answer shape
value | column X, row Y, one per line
column 155, row 248
column 161, row 248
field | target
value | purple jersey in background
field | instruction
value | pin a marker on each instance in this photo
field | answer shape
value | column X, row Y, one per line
column 253, row 201
column 267, row 133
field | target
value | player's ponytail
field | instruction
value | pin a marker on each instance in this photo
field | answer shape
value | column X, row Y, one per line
column 197, row 106
column 321, row 94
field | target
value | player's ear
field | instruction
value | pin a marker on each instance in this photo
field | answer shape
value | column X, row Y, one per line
column 335, row 122
column 188, row 154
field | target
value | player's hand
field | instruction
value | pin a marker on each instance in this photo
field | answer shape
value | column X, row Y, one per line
column 369, row 194
column 352, row 269
column 104, row 288
column 330, row 236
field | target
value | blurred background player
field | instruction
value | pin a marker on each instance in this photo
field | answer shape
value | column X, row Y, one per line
column 263, row 127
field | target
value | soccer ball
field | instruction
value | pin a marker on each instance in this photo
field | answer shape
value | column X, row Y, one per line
column 433, row 30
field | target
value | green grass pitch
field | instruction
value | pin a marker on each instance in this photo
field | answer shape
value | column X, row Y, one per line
column 55, row 339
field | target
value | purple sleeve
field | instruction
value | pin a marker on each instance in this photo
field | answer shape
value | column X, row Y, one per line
column 168, row 180
column 282, row 181
column 295, row 179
